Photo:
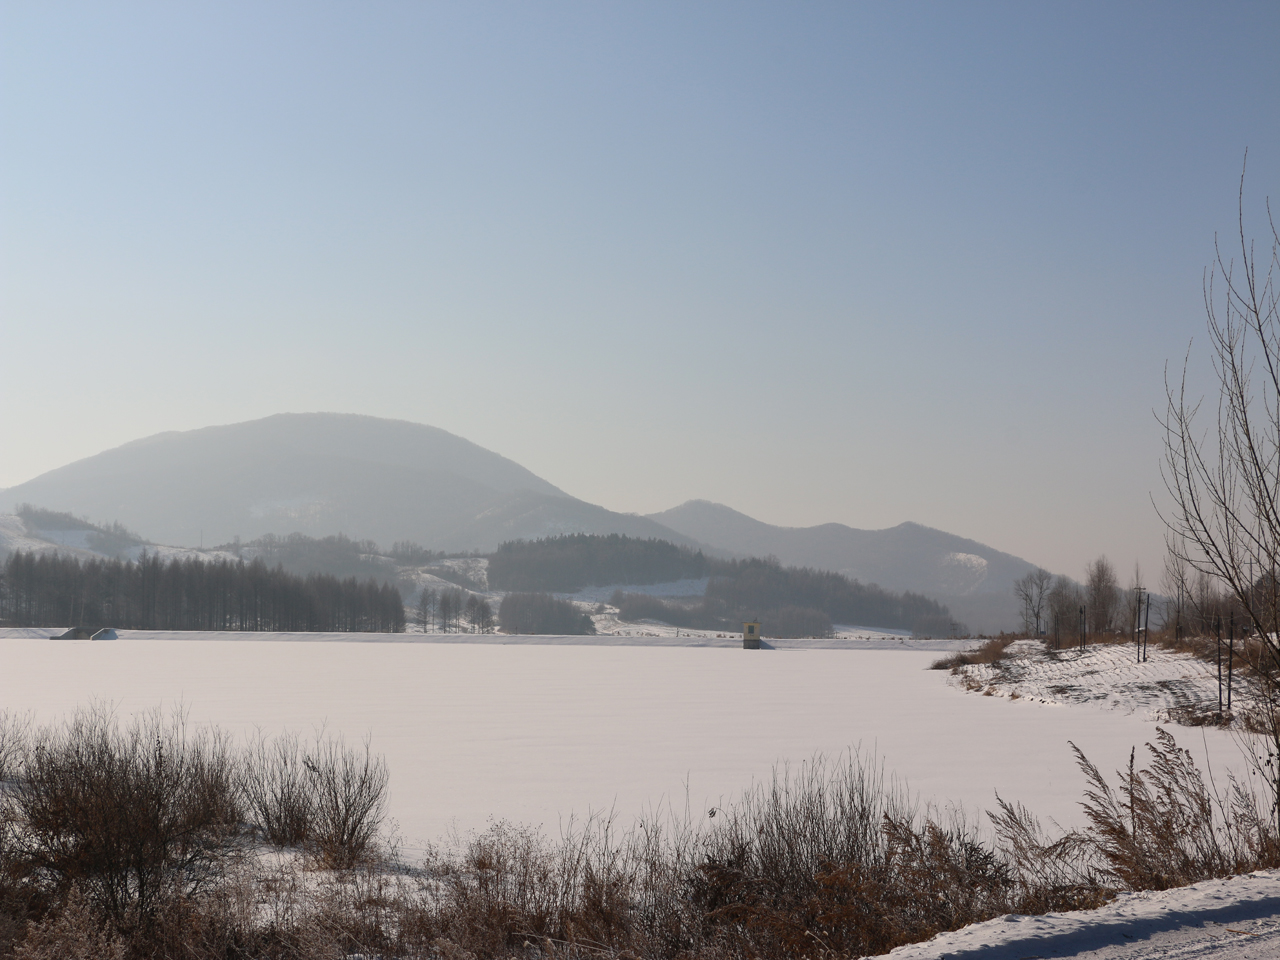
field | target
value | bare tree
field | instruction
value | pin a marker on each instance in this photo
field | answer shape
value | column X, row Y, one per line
column 1064, row 602
column 1177, row 593
column 1101, row 595
column 446, row 611
column 427, row 608
column 1225, row 482
column 485, row 620
column 1032, row 592
column 1224, row 477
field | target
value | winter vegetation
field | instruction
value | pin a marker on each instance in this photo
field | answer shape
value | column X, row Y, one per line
column 151, row 839
column 337, row 555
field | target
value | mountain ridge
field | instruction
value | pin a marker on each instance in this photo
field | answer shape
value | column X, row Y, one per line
column 389, row 480
column 973, row 579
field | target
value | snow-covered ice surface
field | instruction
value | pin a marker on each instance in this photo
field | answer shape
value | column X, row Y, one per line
column 611, row 630
column 1232, row 919
column 1162, row 688
column 534, row 731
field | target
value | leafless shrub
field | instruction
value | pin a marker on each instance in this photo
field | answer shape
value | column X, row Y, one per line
column 129, row 816
column 14, row 731
column 835, row 860
column 277, row 790
column 349, row 796
column 824, row 859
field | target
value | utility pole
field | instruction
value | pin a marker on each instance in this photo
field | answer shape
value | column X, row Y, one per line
column 1231, row 655
column 1146, row 629
column 1137, row 621
column 1217, row 625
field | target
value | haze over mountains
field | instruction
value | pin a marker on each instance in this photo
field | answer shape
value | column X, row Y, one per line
column 975, row 581
column 389, row 480
column 319, row 474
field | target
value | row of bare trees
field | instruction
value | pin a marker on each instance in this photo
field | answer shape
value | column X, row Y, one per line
column 454, row 610
column 1062, row 607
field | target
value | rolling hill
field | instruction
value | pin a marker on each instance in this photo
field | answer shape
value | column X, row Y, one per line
column 319, row 474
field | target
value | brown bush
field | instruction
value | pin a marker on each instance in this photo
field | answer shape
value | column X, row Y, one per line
column 128, row 816
column 991, row 651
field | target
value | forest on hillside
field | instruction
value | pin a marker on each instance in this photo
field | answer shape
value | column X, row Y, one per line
column 766, row 584
column 566, row 564
column 790, row 601
column 50, row 590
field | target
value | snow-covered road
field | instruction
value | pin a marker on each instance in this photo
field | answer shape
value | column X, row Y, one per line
column 1233, row 919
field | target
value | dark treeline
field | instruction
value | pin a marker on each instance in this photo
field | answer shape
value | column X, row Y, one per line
column 568, row 563
column 542, row 614
column 789, row 602
column 742, row 584
column 153, row 594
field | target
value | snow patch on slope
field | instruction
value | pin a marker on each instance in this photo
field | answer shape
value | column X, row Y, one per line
column 962, row 572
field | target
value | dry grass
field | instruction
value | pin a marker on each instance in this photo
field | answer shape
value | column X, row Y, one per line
column 991, row 651
column 823, row 860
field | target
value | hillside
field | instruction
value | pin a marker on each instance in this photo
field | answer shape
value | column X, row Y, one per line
column 319, row 474
column 974, row 580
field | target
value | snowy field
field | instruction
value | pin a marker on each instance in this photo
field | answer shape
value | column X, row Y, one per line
column 536, row 732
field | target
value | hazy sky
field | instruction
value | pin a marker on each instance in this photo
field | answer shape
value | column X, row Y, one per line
column 855, row 262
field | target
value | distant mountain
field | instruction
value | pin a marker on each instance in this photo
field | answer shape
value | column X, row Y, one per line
column 974, row 580
column 322, row 474
column 319, row 474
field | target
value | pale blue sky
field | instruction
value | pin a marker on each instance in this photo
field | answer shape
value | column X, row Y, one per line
column 854, row 262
